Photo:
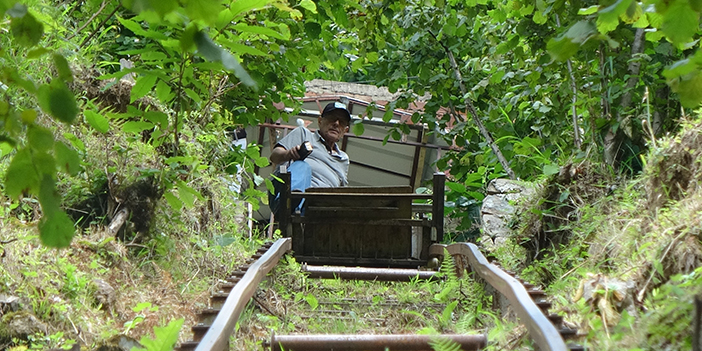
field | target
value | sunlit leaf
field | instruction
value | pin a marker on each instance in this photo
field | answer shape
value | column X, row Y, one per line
column 36, row 53
column 309, row 5
column 97, row 121
column 261, row 30
column 206, row 10
column 164, row 337
column 611, row 13
column 588, row 11
column 358, row 128
column 143, row 86
column 173, row 201
column 241, row 6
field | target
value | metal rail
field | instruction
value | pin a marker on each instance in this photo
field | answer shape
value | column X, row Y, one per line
column 371, row 342
column 217, row 336
column 357, row 273
column 542, row 331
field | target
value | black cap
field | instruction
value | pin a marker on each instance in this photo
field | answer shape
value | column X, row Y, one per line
column 334, row 106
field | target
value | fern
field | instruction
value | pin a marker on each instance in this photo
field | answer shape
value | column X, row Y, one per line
column 444, row 344
column 448, row 267
column 451, row 283
column 165, row 337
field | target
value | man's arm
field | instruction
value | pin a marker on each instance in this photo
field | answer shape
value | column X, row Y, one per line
column 280, row 154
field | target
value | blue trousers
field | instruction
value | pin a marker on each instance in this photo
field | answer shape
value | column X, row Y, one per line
column 300, row 179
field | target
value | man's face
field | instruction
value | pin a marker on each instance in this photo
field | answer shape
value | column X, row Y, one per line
column 333, row 126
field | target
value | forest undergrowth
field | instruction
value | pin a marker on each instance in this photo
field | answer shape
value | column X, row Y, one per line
column 620, row 255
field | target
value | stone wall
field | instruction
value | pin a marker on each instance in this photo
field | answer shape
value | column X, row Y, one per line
column 498, row 210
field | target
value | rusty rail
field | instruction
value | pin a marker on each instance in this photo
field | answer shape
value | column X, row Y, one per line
column 542, row 331
column 359, row 273
column 217, row 336
column 371, row 342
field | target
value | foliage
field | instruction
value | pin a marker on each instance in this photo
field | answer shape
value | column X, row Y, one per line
column 164, row 337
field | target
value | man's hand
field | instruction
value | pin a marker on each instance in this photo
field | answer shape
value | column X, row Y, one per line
column 281, row 154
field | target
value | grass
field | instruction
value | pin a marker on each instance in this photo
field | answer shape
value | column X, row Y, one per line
column 291, row 303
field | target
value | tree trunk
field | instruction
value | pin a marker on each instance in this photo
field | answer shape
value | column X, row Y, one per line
column 614, row 139
column 118, row 221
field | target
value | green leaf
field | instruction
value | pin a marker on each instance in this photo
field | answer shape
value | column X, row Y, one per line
column 358, row 128
column 67, row 158
column 143, row 86
column 211, row 51
column 36, row 53
column 136, row 126
column 18, row 10
column 40, row 138
column 313, row 29
column 240, row 6
column 551, row 169
column 26, row 30
column 64, row 71
column 312, row 301
column 567, row 44
column 187, row 39
column 244, row 28
column 689, row 88
column 77, row 143
column 56, row 100
column 161, row 7
column 21, row 175
column 206, row 10
column 588, row 11
column 56, row 230
column 173, row 201
column 158, row 118
column 309, row 5
column 456, row 187
column 611, row 13
column 163, row 92
column 97, row 121
column 680, row 22
column 241, row 49
column 164, row 337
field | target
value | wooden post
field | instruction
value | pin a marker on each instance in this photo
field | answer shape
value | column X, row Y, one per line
column 284, row 210
column 437, row 210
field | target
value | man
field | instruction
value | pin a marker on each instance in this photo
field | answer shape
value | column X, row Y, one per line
column 326, row 165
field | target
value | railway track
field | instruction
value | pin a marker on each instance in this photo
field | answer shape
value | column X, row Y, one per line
column 217, row 322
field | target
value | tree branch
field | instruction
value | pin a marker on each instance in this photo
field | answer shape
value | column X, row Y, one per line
column 469, row 106
column 102, row 7
column 574, row 100
column 100, row 25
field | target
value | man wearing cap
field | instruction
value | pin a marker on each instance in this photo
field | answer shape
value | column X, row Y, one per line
column 326, row 165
